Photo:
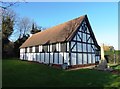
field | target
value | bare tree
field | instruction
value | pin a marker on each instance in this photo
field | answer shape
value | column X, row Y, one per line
column 24, row 26
column 6, row 5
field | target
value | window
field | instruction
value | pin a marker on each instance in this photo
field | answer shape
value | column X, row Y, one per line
column 84, row 27
column 63, row 47
column 93, row 48
column 73, row 58
column 93, row 57
column 84, row 58
column 37, row 49
column 97, row 52
column 53, row 47
column 89, row 47
column 79, row 58
column 84, row 37
column 84, row 48
column 30, row 49
column 97, row 58
column 79, row 47
column 45, row 48
column 89, row 41
column 78, row 37
column 73, row 46
column 88, row 38
column 89, row 58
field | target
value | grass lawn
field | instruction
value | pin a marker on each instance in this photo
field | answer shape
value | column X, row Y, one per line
column 18, row 73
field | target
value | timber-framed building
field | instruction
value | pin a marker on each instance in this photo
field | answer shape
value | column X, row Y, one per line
column 72, row 42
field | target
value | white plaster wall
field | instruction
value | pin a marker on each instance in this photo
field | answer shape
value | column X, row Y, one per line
column 21, row 50
column 35, row 57
column 84, row 48
column 51, row 48
column 26, row 56
column 89, row 41
column 73, row 58
column 61, row 58
column 55, row 58
column 42, row 57
column 88, row 30
column 51, row 57
column 57, row 47
column 38, row 57
column 79, row 58
column 84, row 37
column 47, row 58
column 89, row 48
column 66, row 58
column 78, row 38
column 89, row 58
column 48, row 48
column 93, row 48
column 79, row 47
column 84, row 58
column 67, row 46
column 33, row 49
column 28, row 49
column 93, row 56
column 72, row 44
column 29, row 57
column 40, row 48
column 21, row 56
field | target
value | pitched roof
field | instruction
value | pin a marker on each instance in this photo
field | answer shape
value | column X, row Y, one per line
column 60, row 33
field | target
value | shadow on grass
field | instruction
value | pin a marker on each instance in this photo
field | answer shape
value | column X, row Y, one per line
column 18, row 73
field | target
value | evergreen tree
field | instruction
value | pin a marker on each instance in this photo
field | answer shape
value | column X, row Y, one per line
column 35, row 29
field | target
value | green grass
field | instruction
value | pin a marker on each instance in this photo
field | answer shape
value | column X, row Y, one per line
column 116, row 67
column 18, row 73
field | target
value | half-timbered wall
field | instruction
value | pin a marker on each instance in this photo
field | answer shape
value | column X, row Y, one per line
column 54, row 53
column 83, row 49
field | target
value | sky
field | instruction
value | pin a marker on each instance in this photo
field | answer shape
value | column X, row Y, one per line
column 103, row 16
